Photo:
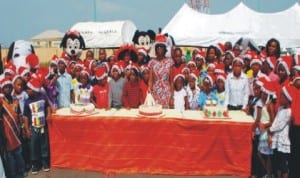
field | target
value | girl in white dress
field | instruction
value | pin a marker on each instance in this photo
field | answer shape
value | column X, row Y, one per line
column 180, row 98
column 264, row 116
column 193, row 92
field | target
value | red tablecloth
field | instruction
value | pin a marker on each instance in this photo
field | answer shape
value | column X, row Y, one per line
column 151, row 146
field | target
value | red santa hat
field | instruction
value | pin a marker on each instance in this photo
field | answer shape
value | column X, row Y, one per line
column 231, row 53
column 107, row 66
column 297, row 67
column 297, row 77
column 220, row 47
column 237, row 59
column 256, row 59
column 33, row 61
column 15, row 78
column 185, row 69
column 118, row 66
column 22, row 71
column 248, row 54
column 220, row 69
column 160, row 39
column 10, row 68
column 210, row 78
column 34, row 84
column 194, row 75
column 134, row 66
column 62, row 60
column 196, row 50
column 221, row 76
column 42, row 74
column 268, row 87
column 288, row 92
column 191, row 63
column 5, row 82
column 286, row 62
column 212, row 65
column 177, row 75
column 79, row 65
column 271, row 61
column 64, row 55
column 89, row 63
column 85, row 71
column 101, row 73
column 144, row 68
column 54, row 59
column 142, row 51
column 200, row 56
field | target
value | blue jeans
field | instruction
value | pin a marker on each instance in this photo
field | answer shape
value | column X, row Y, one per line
column 39, row 145
column 15, row 162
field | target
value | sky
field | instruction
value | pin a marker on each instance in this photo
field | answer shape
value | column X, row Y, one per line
column 23, row 19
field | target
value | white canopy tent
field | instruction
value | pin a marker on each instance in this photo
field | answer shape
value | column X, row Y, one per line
column 105, row 34
column 189, row 27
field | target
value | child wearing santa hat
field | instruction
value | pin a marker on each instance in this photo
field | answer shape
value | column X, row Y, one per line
column 264, row 116
column 207, row 91
column 12, row 123
column 295, row 129
column 132, row 93
column 193, row 91
column 116, row 85
column 255, row 65
column 279, row 129
column 268, row 67
column 83, row 93
column 180, row 99
column 37, row 112
column 237, row 87
column 64, row 84
column 142, row 57
column 220, row 89
column 24, row 72
column 20, row 94
column 100, row 94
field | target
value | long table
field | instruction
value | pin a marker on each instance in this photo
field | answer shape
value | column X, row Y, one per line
column 121, row 141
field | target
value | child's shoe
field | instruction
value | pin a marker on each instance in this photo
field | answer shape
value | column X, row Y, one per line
column 46, row 169
column 34, row 170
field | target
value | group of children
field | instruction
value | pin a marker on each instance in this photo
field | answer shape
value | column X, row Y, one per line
column 264, row 85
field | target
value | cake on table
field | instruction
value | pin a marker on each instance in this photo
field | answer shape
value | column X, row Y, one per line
column 212, row 110
column 82, row 108
column 150, row 108
column 82, row 103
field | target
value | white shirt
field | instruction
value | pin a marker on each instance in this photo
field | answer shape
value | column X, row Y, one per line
column 236, row 90
column 179, row 100
column 193, row 97
column 280, row 129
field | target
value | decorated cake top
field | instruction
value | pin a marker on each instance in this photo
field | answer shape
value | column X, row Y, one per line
column 210, row 102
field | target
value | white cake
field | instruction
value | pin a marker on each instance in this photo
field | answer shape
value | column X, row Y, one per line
column 212, row 110
column 82, row 108
column 150, row 110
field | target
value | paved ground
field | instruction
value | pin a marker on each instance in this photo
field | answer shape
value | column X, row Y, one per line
column 66, row 173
